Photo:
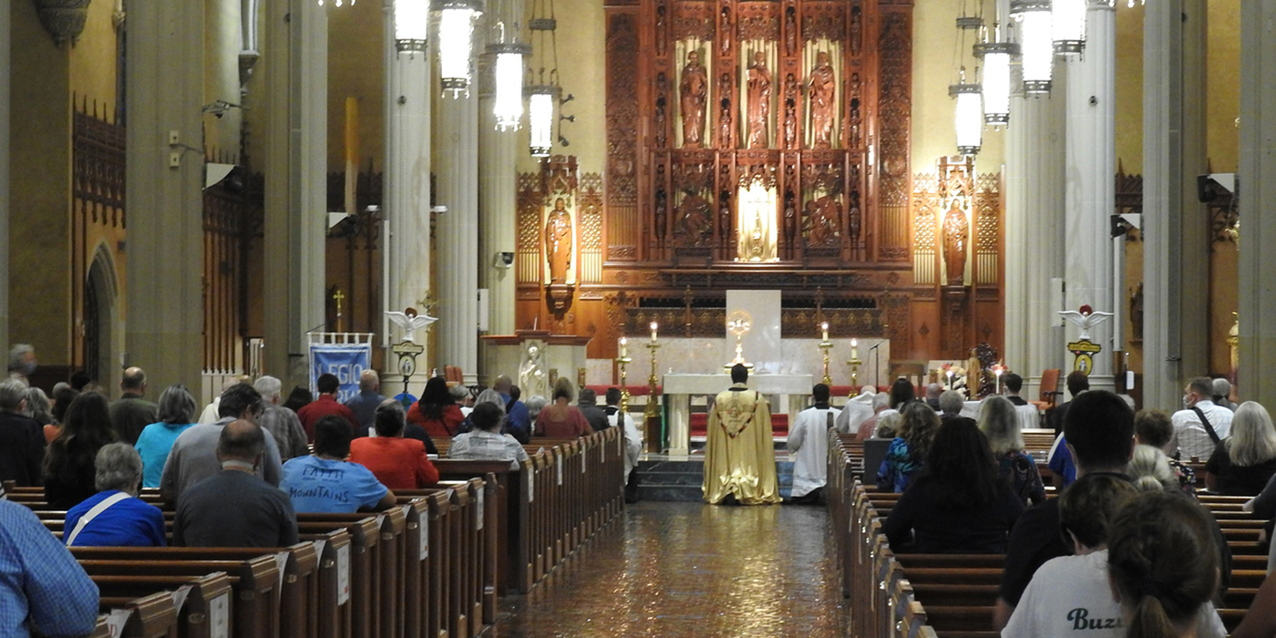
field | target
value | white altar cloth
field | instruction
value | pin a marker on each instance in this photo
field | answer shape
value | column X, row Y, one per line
column 793, row 391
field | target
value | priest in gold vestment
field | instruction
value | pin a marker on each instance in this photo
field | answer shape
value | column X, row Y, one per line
column 739, row 455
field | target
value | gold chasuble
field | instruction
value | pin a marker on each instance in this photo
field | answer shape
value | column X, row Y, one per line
column 739, row 455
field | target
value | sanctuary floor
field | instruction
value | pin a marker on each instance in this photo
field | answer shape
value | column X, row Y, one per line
column 688, row 569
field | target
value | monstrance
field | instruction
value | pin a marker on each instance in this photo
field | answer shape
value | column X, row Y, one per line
column 737, row 324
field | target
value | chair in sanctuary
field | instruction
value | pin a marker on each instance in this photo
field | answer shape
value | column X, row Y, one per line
column 1050, row 393
column 914, row 371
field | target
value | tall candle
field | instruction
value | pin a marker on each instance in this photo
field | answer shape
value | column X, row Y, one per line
column 855, row 348
column 654, row 325
column 825, row 327
column 950, row 379
column 624, row 350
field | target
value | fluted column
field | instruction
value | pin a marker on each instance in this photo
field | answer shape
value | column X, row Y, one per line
column 407, row 191
column 5, row 25
column 1175, row 246
column 296, row 97
column 498, row 155
column 1090, row 186
column 456, row 146
column 1257, row 285
column 165, row 207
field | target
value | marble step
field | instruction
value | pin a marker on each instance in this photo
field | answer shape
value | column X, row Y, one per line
column 679, row 480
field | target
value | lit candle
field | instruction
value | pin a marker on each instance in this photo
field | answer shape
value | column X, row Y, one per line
column 654, row 325
column 950, row 379
column 998, row 370
column 855, row 348
column 825, row 327
column 624, row 347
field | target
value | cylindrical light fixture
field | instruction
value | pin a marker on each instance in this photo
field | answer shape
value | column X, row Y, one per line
column 970, row 117
column 540, row 118
column 508, row 103
column 456, row 31
column 996, row 80
column 1035, row 43
column 1068, row 25
column 411, row 25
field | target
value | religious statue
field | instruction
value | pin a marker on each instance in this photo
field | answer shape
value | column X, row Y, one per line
column 956, row 235
column 558, row 242
column 822, row 219
column 759, row 101
column 790, row 111
column 821, row 88
column 694, row 92
column 790, row 31
column 854, row 222
column 658, row 120
column 694, row 219
column 725, row 121
column 531, row 371
column 739, row 453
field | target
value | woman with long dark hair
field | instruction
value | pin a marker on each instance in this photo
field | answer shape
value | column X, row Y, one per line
column 436, row 411
column 960, row 503
column 909, row 449
column 69, row 472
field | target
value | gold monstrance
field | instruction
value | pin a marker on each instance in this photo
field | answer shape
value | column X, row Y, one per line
column 737, row 324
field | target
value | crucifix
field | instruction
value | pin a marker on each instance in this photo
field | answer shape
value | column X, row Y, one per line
column 339, row 297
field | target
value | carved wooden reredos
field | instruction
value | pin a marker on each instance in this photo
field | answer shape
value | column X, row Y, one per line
column 751, row 144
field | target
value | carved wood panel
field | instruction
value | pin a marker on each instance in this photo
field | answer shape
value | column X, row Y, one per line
column 622, row 135
column 894, row 123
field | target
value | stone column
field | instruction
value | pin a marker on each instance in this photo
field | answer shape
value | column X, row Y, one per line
column 498, row 155
column 1034, row 234
column 407, row 194
column 1257, row 285
column 456, row 140
column 1175, row 241
column 164, row 180
column 5, row 26
column 295, row 61
column 1090, row 186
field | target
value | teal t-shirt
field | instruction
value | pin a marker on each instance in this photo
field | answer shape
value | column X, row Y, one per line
column 329, row 487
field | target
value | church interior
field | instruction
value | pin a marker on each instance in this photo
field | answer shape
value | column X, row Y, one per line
column 630, row 192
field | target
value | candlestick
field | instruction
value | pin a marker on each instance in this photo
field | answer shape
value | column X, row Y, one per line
column 825, row 327
column 654, row 325
column 624, row 347
column 950, row 379
column 653, row 406
column 623, row 361
column 826, row 345
column 855, row 348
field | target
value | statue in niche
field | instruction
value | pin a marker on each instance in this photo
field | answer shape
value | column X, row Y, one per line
column 759, row 101
column 660, row 30
column 857, row 30
column 854, row 216
column 725, row 120
column 821, row 88
column 694, row 91
column 857, row 120
column 956, row 237
column 822, row 218
column 724, row 215
column 724, row 36
column 659, row 118
column 558, row 242
column 531, row 370
column 694, row 219
column 790, row 111
column 790, row 219
column 660, row 215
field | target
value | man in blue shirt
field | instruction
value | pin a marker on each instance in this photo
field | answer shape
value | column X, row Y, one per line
column 42, row 588
column 364, row 405
column 517, row 420
column 326, row 482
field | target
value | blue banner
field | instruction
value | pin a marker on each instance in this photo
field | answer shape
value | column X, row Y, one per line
column 346, row 361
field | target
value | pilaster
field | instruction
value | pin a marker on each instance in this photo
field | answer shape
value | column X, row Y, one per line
column 5, row 43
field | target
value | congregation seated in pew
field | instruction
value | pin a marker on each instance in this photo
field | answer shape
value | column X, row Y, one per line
column 44, row 589
column 175, row 414
column 115, row 517
column 324, row 482
column 910, row 447
column 959, row 502
column 561, row 419
column 194, row 456
column 399, row 462
column 485, row 441
column 68, row 464
column 1000, row 423
column 233, row 507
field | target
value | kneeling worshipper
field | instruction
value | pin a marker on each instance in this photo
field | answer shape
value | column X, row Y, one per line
column 325, row 483
column 115, row 517
column 739, row 455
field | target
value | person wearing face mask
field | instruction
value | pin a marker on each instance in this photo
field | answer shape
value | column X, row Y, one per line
column 1201, row 424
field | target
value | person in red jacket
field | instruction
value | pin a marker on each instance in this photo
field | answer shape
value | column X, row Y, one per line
column 399, row 463
column 437, row 411
column 327, row 404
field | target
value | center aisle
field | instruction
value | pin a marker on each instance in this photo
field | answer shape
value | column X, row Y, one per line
column 688, row 569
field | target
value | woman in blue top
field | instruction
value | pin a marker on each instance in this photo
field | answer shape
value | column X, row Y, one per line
column 906, row 453
column 115, row 517
column 176, row 414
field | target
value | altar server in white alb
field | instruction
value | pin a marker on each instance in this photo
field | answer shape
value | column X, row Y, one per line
column 809, row 444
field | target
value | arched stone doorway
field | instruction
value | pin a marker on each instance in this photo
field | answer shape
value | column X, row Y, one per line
column 101, row 321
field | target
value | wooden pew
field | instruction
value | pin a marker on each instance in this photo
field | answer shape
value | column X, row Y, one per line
column 202, row 605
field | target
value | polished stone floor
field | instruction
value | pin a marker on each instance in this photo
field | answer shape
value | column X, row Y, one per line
column 687, row 569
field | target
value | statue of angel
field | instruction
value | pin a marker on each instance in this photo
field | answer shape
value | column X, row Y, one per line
column 409, row 321
column 1085, row 318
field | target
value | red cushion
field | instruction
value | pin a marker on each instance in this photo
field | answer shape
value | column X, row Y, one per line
column 700, row 424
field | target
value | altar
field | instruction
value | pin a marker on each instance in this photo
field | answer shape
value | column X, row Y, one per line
column 793, row 391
